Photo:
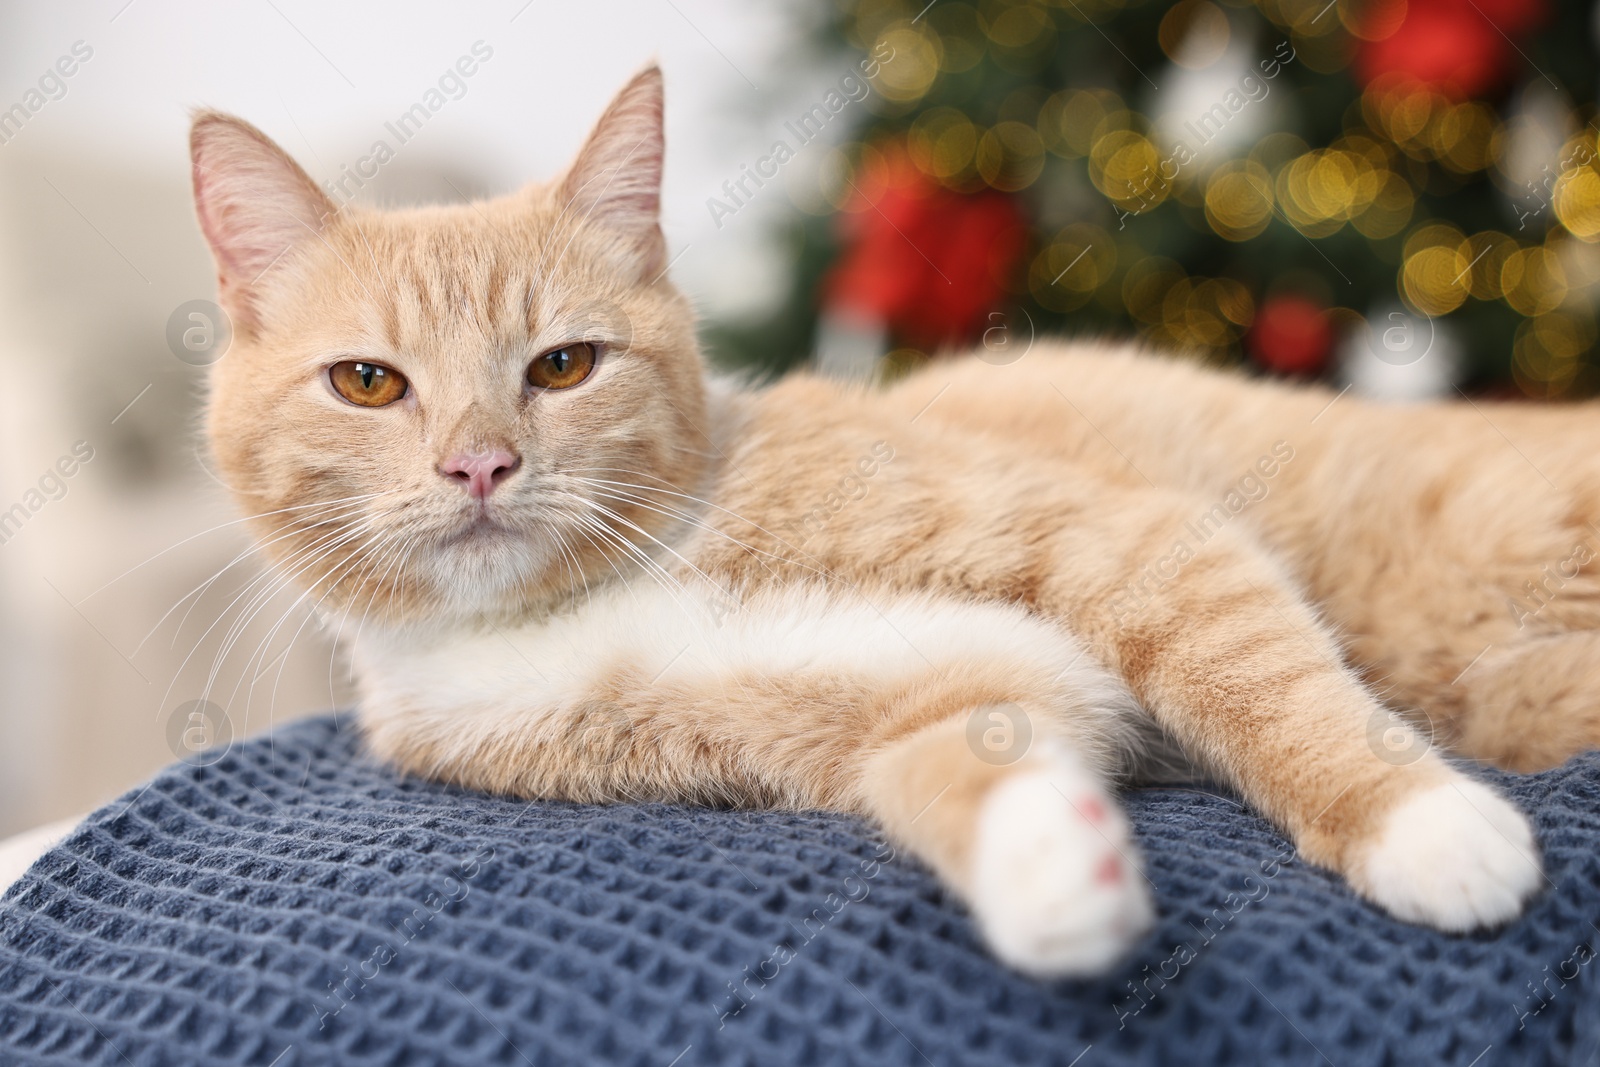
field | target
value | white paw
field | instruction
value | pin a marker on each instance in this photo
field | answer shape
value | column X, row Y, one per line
column 1056, row 884
column 1457, row 856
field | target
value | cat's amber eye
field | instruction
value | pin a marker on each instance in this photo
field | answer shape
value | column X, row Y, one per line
column 564, row 367
column 369, row 385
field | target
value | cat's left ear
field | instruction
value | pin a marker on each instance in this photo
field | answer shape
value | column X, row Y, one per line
column 616, row 180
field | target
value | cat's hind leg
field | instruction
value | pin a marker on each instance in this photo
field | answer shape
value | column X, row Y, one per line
column 1531, row 706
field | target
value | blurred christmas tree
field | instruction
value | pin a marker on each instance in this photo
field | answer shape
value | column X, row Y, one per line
column 1314, row 188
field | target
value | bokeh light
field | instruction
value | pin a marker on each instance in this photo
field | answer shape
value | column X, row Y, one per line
column 1184, row 167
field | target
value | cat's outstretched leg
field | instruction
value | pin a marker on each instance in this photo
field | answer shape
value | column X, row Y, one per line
column 978, row 736
column 1235, row 664
column 1038, row 848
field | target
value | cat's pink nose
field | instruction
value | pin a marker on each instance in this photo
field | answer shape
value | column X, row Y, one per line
column 480, row 472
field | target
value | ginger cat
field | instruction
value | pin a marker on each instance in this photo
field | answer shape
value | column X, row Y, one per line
column 962, row 606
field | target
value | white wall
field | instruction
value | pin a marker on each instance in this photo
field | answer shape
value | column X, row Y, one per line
column 322, row 78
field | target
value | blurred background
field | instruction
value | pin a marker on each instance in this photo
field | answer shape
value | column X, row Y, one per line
column 1399, row 197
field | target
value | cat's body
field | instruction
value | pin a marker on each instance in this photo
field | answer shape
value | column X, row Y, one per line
column 959, row 606
column 1450, row 546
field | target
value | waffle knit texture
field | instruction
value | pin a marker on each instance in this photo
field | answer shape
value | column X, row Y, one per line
column 295, row 903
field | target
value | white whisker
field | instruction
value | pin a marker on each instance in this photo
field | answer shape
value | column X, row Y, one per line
column 258, row 545
column 222, row 526
column 273, row 582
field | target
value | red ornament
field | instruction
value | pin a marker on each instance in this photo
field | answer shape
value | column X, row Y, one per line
column 1291, row 335
column 1457, row 47
column 928, row 262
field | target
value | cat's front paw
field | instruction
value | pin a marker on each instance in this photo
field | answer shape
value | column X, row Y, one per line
column 1456, row 856
column 1057, row 888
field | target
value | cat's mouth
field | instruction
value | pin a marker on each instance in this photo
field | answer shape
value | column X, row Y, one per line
column 481, row 528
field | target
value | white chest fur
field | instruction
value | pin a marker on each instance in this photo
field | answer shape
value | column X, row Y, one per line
column 667, row 636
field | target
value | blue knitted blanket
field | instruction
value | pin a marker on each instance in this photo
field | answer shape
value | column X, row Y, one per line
column 295, row 903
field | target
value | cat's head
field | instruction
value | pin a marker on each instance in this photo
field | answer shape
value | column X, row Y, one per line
column 435, row 412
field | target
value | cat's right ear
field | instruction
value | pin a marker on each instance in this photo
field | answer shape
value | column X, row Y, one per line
column 254, row 204
column 616, row 180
